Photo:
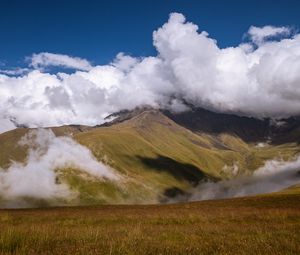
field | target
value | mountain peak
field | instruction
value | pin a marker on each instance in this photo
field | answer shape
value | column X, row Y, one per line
column 124, row 115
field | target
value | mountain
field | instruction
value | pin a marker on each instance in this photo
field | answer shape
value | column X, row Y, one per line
column 249, row 129
column 164, row 155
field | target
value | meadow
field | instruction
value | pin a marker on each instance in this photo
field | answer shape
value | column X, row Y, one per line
column 268, row 224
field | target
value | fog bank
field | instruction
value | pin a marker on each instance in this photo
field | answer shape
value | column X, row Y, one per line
column 274, row 176
column 37, row 178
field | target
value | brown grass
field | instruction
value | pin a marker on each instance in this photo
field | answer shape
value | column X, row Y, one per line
column 257, row 225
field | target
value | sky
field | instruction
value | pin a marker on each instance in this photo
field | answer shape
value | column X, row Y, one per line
column 98, row 30
column 63, row 63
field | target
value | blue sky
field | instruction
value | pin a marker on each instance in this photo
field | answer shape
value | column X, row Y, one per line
column 98, row 30
column 73, row 75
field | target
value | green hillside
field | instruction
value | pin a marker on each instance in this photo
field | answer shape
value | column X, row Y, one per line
column 158, row 157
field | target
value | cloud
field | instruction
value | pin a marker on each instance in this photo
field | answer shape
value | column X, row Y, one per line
column 15, row 71
column 124, row 62
column 259, row 34
column 6, row 125
column 261, row 81
column 274, row 176
column 45, row 59
column 37, row 177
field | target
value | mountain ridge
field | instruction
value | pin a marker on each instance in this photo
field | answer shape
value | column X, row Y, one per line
column 162, row 156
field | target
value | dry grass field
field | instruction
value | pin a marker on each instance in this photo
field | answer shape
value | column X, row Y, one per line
column 267, row 224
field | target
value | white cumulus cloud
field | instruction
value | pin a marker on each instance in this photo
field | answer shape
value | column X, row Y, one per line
column 261, row 81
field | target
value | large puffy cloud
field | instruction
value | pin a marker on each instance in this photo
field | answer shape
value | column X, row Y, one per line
column 258, row 79
column 261, row 82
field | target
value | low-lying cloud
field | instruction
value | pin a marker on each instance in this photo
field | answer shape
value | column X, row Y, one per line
column 259, row 78
column 37, row 177
column 274, row 176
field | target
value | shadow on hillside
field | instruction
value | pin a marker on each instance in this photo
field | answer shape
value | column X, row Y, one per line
column 249, row 129
column 174, row 195
column 204, row 121
column 181, row 171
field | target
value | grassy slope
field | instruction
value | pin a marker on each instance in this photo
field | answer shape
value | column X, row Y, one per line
column 153, row 150
column 268, row 224
column 11, row 151
column 155, row 154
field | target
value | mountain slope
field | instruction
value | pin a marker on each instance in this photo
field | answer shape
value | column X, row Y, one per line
column 158, row 157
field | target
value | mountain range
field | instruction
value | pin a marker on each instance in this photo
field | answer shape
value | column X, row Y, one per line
column 161, row 155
